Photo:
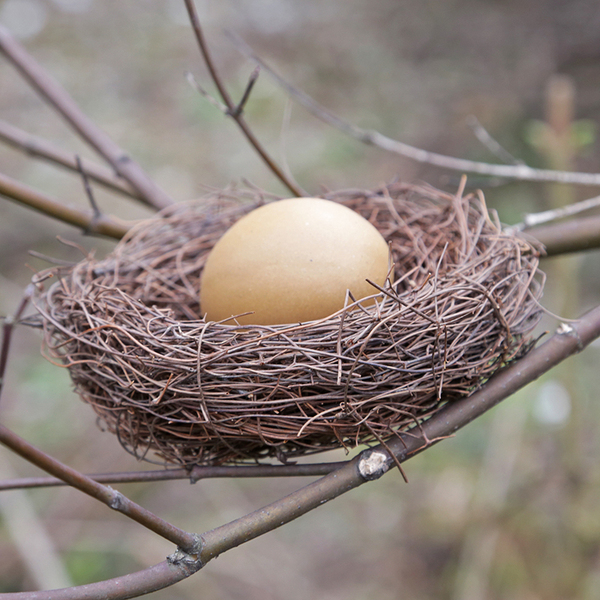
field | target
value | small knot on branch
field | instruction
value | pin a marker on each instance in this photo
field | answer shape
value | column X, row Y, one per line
column 373, row 464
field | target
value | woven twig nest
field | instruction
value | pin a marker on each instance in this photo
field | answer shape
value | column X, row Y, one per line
column 460, row 304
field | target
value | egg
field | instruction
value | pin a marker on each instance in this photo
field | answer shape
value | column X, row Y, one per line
column 292, row 261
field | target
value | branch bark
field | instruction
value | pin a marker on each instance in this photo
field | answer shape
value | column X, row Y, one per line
column 51, row 91
column 112, row 498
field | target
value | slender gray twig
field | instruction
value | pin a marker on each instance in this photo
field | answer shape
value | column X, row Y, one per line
column 482, row 134
column 371, row 137
column 57, row 96
column 194, row 474
column 546, row 216
column 105, row 494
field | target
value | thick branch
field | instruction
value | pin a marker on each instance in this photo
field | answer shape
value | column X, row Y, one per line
column 41, row 148
column 519, row 172
column 57, row 97
column 148, row 580
column 85, row 219
column 575, row 235
column 233, row 110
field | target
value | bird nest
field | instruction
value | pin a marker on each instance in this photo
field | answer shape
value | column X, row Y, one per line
column 458, row 305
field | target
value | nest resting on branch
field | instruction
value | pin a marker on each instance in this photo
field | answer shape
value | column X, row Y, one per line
column 460, row 304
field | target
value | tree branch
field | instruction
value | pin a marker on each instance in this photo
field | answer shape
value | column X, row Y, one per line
column 195, row 474
column 41, row 148
column 574, row 235
column 235, row 110
column 57, row 97
column 112, row 498
column 519, row 172
column 84, row 219
column 370, row 464
column 148, row 580
column 373, row 463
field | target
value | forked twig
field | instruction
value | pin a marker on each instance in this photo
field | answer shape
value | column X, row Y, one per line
column 235, row 110
column 40, row 148
column 84, row 219
column 58, row 97
column 519, row 172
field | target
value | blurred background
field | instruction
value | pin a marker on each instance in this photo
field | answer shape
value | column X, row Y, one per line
column 510, row 507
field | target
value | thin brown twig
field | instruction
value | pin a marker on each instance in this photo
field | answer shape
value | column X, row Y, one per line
column 58, row 98
column 86, row 220
column 235, row 110
column 519, row 172
column 40, row 148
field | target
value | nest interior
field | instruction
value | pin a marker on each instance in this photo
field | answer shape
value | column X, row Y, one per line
column 460, row 303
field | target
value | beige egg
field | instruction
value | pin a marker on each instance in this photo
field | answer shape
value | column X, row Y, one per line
column 292, row 261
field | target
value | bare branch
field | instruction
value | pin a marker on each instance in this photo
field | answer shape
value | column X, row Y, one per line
column 574, row 235
column 112, row 498
column 57, row 97
column 482, row 134
column 233, row 110
column 534, row 219
column 7, row 331
column 85, row 219
column 148, row 580
column 195, row 474
column 371, row 464
column 519, row 172
column 41, row 148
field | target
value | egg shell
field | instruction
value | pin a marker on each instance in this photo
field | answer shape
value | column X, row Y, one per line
column 292, row 261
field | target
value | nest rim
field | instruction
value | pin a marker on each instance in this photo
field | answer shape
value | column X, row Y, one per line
column 188, row 392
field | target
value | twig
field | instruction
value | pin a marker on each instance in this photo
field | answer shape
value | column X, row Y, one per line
column 490, row 143
column 112, row 498
column 57, row 97
column 152, row 579
column 41, row 148
column 7, row 331
column 371, row 137
column 546, row 216
column 84, row 219
column 235, row 110
column 88, row 189
column 574, row 235
column 195, row 474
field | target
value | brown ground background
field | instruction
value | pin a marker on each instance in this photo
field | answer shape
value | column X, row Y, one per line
column 507, row 509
